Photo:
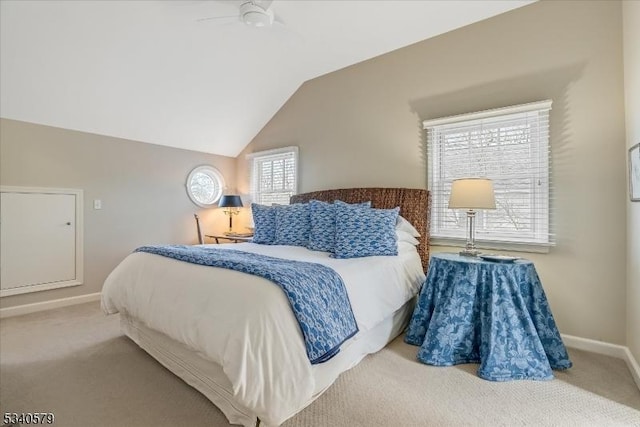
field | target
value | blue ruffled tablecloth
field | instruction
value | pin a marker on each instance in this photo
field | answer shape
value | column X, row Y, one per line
column 496, row 314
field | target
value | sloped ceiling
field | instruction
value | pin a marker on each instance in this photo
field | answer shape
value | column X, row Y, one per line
column 153, row 71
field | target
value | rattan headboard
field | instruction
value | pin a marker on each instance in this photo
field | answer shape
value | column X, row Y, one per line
column 414, row 206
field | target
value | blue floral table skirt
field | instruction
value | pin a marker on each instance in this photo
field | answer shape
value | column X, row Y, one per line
column 495, row 314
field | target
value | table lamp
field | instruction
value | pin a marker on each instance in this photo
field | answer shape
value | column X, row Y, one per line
column 471, row 194
column 232, row 204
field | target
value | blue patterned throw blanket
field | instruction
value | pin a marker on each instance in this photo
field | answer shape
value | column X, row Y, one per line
column 316, row 292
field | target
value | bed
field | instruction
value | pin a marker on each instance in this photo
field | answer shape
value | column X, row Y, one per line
column 233, row 336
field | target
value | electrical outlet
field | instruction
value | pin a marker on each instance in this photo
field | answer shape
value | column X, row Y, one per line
column 97, row 204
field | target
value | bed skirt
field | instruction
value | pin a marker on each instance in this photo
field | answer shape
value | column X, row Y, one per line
column 209, row 379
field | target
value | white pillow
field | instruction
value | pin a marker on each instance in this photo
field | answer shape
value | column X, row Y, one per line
column 405, row 247
column 404, row 225
column 403, row 236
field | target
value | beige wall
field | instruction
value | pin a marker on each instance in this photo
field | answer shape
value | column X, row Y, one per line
column 631, row 25
column 142, row 188
column 360, row 126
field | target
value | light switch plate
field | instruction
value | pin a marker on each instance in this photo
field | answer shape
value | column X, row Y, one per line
column 97, row 204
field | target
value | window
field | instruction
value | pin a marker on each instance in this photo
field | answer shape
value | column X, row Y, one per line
column 205, row 185
column 274, row 175
column 511, row 147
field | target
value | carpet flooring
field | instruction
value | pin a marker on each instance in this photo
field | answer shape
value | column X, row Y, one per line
column 76, row 363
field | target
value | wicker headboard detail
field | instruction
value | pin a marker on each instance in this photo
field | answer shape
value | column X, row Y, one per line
column 414, row 206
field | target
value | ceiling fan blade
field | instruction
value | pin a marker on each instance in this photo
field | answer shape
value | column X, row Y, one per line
column 213, row 18
column 264, row 3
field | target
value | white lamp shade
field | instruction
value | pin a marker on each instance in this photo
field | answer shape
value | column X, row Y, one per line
column 472, row 193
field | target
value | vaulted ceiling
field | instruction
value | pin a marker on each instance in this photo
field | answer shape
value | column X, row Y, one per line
column 156, row 72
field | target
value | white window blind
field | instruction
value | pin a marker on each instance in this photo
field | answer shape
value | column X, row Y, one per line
column 509, row 146
column 274, row 175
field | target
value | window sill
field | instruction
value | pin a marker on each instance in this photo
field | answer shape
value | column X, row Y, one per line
column 498, row 246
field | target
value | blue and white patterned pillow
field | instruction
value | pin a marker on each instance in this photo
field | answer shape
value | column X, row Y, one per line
column 323, row 224
column 264, row 220
column 365, row 232
column 293, row 225
column 322, row 235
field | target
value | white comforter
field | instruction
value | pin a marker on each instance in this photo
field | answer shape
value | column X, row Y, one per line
column 244, row 322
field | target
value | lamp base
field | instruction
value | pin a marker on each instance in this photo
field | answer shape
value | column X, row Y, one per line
column 470, row 252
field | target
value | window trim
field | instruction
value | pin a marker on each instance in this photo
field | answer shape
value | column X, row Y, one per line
column 445, row 123
column 486, row 114
column 215, row 175
column 495, row 245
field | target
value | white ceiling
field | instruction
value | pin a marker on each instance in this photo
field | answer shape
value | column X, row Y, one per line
column 150, row 71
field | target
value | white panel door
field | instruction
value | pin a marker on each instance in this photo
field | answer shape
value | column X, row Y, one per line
column 37, row 239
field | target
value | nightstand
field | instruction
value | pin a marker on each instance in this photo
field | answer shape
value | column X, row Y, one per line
column 492, row 313
column 233, row 239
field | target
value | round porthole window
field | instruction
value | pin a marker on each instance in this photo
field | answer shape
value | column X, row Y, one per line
column 205, row 185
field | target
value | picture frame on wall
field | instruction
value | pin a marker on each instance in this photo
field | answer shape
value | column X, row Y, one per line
column 634, row 173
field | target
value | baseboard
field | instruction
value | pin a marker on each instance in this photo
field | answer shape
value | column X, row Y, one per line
column 634, row 367
column 47, row 305
column 608, row 349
